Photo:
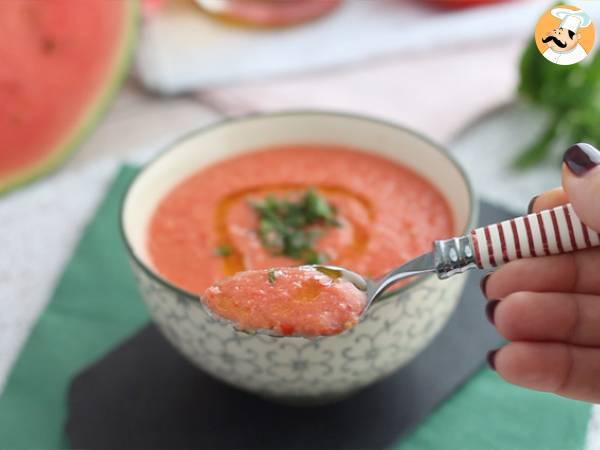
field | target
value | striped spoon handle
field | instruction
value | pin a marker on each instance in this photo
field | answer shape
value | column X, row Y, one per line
column 549, row 232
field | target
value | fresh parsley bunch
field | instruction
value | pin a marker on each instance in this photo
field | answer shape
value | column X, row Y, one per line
column 571, row 94
column 290, row 228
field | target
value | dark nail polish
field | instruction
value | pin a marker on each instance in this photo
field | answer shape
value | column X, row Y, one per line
column 580, row 158
column 531, row 203
column 490, row 310
column 491, row 358
column 483, row 283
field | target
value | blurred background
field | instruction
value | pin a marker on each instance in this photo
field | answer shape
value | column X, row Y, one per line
column 462, row 72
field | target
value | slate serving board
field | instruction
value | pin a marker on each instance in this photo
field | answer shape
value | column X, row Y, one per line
column 143, row 394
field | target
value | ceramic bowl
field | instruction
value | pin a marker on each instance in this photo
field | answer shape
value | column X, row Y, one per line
column 296, row 369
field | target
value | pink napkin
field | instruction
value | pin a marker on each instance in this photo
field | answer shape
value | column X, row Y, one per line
column 435, row 93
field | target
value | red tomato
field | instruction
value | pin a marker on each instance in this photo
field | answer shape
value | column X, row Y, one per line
column 287, row 329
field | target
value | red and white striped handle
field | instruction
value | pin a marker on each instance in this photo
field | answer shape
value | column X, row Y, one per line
column 549, row 232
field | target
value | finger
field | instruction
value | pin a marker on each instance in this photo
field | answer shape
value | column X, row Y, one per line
column 571, row 272
column 549, row 317
column 548, row 200
column 581, row 180
column 563, row 369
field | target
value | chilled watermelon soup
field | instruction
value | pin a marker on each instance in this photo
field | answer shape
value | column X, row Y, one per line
column 220, row 232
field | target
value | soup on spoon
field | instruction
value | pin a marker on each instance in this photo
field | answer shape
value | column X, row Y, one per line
column 291, row 301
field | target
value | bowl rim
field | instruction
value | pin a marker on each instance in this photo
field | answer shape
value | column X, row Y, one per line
column 166, row 149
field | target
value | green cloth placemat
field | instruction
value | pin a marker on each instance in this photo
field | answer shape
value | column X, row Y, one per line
column 96, row 305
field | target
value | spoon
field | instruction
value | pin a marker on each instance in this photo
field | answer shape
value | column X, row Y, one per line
column 549, row 232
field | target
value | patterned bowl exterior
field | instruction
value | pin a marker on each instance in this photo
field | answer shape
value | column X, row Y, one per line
column 298, row 370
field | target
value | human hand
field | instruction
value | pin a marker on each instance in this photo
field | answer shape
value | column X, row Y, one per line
column 549, row 307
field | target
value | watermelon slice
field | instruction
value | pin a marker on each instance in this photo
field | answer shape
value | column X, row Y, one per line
column 60, row 63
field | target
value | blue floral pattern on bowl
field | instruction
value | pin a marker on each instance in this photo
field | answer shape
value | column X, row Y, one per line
column 292, row 368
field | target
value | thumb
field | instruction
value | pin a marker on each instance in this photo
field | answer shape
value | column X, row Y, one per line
column 581, row 181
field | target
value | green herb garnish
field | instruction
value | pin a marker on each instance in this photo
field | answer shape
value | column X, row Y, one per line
column 570, row 95
column 223, row 250
column 272, row 276
column 290, row 228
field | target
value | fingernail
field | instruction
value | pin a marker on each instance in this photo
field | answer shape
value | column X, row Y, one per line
column 483, row 283
column 531, row 203
column 491, row 358
column 581, row 158
column 490, row 310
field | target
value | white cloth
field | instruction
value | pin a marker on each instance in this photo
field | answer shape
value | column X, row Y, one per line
column 182, row 49
column 573, row 56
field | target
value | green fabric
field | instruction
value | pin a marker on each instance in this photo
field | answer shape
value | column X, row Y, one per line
column 489, row 414
column 96, row 305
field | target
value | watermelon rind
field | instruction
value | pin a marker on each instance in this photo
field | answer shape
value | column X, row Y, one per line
column 94, row 112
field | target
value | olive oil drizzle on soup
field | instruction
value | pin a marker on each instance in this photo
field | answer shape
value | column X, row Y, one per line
column 205, row 228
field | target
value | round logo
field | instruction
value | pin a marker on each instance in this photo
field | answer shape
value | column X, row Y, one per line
column 565, row 35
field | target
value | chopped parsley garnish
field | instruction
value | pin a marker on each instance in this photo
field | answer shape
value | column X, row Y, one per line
column 223, row 250
column 291, row 227
column 272, row 276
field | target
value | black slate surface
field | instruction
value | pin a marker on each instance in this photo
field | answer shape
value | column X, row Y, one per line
column 143, row 394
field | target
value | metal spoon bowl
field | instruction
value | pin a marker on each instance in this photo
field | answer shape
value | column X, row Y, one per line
column 375, row 288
